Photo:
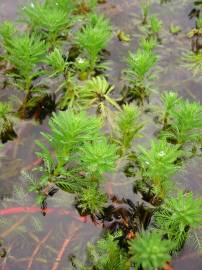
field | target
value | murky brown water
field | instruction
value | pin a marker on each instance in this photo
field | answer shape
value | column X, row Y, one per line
column 33, row 241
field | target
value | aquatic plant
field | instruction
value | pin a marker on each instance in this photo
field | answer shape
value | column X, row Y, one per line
column 170, row 100
column 7, row 131
column 25, row 52
column 91, row 200
column 81, row 153
column 7, row 30
column 52, row 21
column 128, row 127
column 149, row 251
column 145, row 7
column 148, row 44
column 193, row 62
column 177, row 216
column 186, row 124
column 96, row 91
column 138, row 73
column 155, row 26
column 93, row 38
column 158, row 165
column 105, row 255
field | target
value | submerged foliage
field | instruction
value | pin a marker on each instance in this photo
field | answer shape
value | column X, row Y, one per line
column 128, row 127
column 177, row 216
column 159, row 164
column 185, row 123
column 138, row 73
column 81, row 153
column 105, row 255
column 94, row 37
column 49, row 19
column 58, row 59
column 149, row 251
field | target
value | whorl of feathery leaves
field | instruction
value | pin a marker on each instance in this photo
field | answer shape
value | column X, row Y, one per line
column 170, row 100
column 66, row 5
column 69, row 131
column 46, row 19
column 139, row 64
column 107, row 255
column 7, row 30
column 77, row 137
column 148, row 44
column 193, row 62
column 56, row 62
column 149, row 251
column 128, row 125
column 5, row 109
column 94, row 36
column 158, row 164
column 25, row 52
column 155, row 24
column 159, row 161
column 98, row 157
column 92, row 200
column 177, row 215
column 186, row 125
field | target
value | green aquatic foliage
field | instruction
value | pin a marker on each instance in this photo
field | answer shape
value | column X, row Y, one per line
column 155, row 25
column 91, row 200
column 7, row 131
column 60, row 68
column 158, row 165
column 139, row 64
column 98, row 157
column 186, row 123
column 7, row 30
column 79, row 154
column 177, row 216
column 57, row 63
column 148, row 44
column 148, row 251
column 93, row 38
column 25, row 52
column 193, row 62
column 105, row 255
column 138, row 72
column 129, row 127
column 145, row 8
column 66, row 5
column 96, row 91
column 175, row 29
column 48, row 21
column 170, row 100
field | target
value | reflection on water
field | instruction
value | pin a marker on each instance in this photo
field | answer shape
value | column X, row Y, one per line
column 36, row 242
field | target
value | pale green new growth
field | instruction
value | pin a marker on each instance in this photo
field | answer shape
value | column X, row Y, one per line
column 91, row 200
column 49, row 21
column 178, row 215
column 25, row 52
column 155, row 25
column 158, row 164
column 193, row 62
column 98, row 157
column 57, row 63
column 186, row 125
column 96, row 91
column 128, row 127
column 149, row 251
column 94, row 37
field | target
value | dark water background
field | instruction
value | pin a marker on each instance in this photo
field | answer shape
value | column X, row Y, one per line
column 32, row 233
